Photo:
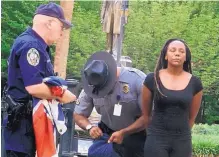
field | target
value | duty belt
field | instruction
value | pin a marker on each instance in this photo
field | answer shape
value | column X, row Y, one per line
column 16, row 111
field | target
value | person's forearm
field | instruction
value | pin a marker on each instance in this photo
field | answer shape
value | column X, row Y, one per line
column 81, row 121
column 139, row 125
column 191, row 123
column 41, row 91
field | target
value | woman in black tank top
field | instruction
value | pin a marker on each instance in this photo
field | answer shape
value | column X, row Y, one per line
column 171, row 100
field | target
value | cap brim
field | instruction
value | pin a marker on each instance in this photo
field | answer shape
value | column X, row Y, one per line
column 66, row 24
column 112, row 68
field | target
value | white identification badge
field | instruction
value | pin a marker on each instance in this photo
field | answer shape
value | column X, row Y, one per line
column 117, row 110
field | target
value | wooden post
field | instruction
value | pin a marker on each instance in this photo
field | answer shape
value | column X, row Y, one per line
column 62, row 47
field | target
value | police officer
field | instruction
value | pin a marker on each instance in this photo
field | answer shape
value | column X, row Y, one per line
column 116, row 95
column 29, row 63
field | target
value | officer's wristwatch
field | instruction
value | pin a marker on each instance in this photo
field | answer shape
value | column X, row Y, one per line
column 88, row 127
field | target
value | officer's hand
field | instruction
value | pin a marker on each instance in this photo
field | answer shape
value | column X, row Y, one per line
column 117, row 137
column 67, row 97
column 95, row 132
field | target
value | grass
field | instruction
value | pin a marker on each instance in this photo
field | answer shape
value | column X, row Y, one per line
column 204, row 143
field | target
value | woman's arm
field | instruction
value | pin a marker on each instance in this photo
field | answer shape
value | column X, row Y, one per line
column 196, row 102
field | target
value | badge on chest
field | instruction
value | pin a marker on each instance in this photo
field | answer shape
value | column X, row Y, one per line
column 125, row 88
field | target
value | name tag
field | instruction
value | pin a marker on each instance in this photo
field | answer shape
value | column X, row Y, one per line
column 117, row 110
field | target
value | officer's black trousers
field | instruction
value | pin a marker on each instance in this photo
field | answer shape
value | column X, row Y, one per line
column 132, row 146
column 168, row 146
column 17, row 154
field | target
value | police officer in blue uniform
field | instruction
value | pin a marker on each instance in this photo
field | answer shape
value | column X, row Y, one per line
column 29, row 63
column 116, row 95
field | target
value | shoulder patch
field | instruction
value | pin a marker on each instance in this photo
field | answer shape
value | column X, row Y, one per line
column 33, row 57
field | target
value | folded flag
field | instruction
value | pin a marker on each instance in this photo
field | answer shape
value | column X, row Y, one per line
column 48, row 119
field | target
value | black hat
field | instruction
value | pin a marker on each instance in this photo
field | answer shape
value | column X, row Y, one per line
column 53, row 10
column 99, row 74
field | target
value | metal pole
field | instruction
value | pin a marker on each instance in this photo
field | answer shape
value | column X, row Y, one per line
column 122, row 29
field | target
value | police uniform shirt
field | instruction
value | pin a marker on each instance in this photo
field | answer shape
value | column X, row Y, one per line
column 128, row 89
column 29, row 63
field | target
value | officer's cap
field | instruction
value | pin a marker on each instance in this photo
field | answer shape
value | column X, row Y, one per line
column 99, row 74
column 53, row 10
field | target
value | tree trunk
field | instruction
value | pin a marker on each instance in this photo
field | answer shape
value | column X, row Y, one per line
column 61, row 54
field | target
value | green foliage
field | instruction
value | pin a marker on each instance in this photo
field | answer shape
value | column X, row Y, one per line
column 205, row 139
column 152, row 23
column 4, row 64
column 212, row 105
column 205, row 145
column 211, row 119
column 204, row 129
column 86, row 36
